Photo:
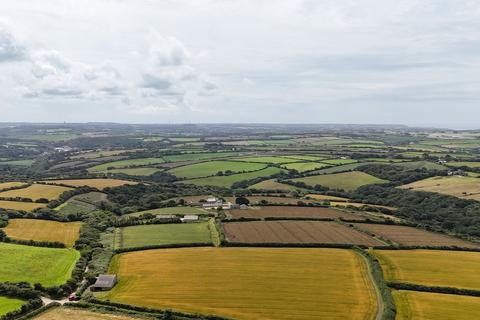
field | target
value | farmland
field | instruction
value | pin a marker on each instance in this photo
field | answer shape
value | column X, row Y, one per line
column 142, row 171
column 271, row 199
column 304, row 166
column 426, row 305
column 293, row 212
column 345, row 181
column 8, row 185
column 272, row 184
column 267, row 159
column 410, row 236
column 250, row 283
column 172, row 210
column 79, row 314
column 94, row 183
column 227, row 181
column 211, row 168
column 43, row 230
column 9, row 304
column 125, row 164
column 24, row 206
column 198, row 156
column 295, row 232
column 469, row 164
column 461, row 187
column 161, row 234
column 35, row 192
column 431, row 267
column 47, row 266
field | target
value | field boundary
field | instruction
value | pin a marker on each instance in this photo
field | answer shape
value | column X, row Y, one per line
column 400, row 247
column 434, row 289
column 291, row 245
column 164, row 246
column 387, row 308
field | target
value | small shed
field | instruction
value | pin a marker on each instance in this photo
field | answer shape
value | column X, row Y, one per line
column 104, row 282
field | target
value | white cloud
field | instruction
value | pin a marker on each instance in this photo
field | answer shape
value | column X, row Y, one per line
column 10, row 47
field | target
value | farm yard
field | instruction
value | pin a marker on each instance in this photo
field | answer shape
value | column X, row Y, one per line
column 295, row 232
column 47, row 266
column 43, row 230
column 94, row 183
column 346, row 181
column 427, row 305
column 250, row 283
column 461, row 187
column 410, row 236
column 35, row 192
column 294, row 212
column 161, row 234
column 431, row 267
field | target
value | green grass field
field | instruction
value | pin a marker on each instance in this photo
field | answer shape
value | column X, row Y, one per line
column 343, row 168
column 431, row 267
column 304, row 157
column 227, row 181
column 304, row 166
column 47, row 266
column 421, row 165
column 247, row 283
column 211, row 168
column 9, row 304
column 158, row 234
column 469, row 164
column 125, row 163
column 267, row 159
column 346, row 180
column 427, row 305
column 135, row 171
column 198, row 156
column 171, row 210
column 338, row 162
column 20, row 163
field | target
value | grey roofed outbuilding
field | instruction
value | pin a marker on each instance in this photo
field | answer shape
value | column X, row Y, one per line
column 104, row 282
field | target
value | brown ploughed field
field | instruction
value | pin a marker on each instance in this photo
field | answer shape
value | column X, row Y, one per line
column 410, row 236
column 294, row 212
column 295, row 232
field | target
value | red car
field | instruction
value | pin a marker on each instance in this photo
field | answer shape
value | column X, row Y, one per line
column 73, row 297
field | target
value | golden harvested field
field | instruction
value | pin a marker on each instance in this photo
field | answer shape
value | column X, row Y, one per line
column 79, row 314
column 427, row 306
column 94, row 183
column 323, row 197
column 18, row 205
column 43, row 230
column 293, row 212
column 8, row 185
column 461, row 187
column 36, row 191
column 432, row 267
column 295, row 232
column 247, row 283
column 410, row 236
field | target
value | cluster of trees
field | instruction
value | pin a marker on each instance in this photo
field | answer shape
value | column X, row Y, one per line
column 398, row 175
column 432, row 210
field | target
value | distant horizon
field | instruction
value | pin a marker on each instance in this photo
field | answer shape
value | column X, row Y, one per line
column 455, row 127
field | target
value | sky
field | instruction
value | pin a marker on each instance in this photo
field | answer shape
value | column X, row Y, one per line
column 414, row 62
